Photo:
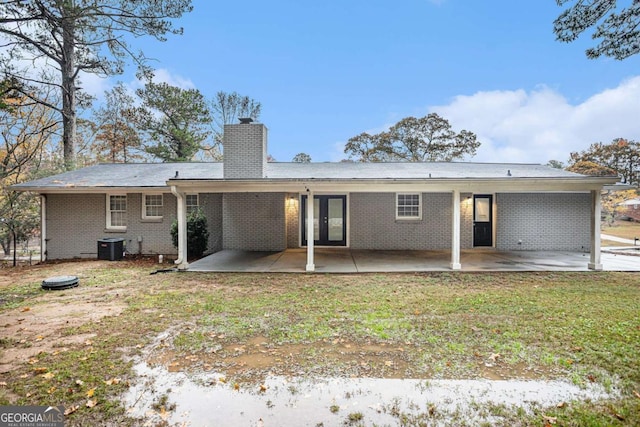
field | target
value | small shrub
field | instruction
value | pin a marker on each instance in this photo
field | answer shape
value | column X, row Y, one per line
column 197, row 233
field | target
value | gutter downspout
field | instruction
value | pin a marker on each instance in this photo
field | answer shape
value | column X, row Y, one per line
column 181, row 199
column 43, row 228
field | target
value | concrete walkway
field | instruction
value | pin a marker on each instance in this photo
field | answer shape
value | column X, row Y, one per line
column 618, row 239
column 343, row 260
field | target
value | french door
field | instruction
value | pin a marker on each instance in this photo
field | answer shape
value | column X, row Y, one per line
column 329, row 220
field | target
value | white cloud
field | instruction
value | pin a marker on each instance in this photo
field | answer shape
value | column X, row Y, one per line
column 94, row 85
column 163, row 75
column 540, row 125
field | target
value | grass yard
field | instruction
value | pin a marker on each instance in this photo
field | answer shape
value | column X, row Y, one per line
column 580, row 327
column 624, row 229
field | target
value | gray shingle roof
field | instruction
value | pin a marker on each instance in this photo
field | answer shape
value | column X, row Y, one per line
column 149, row 175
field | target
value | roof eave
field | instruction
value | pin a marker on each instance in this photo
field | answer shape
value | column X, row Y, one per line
column 579, row 183
column 89, row 189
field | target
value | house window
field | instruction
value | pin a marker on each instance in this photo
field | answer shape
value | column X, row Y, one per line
column 192, row 203
column 116, row 211
column 152, row 206
column 408, row 206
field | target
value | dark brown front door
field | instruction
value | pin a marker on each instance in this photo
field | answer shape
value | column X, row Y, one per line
column 482, row 220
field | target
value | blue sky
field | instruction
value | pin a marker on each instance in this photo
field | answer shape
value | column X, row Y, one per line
column 327, row 71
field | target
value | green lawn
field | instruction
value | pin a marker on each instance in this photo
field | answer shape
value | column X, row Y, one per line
column 624, row 229
column 583, row 327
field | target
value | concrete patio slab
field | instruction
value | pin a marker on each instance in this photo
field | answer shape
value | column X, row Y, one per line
column 343, row 260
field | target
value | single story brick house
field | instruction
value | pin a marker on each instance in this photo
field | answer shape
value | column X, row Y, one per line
column 254, row 205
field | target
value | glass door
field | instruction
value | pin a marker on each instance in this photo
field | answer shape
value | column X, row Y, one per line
column 329, row 220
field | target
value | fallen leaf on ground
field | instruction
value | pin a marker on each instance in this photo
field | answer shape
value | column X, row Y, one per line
column 388, row 363
column 636, row 393
column 79, row 382
column 71, row 409
column 494, row 356
column 549, row 420
column 91, row 392
column 48, row 375
column 91, row 403
column 40, row 370
column 25, row 309
column 163, row 414
column 561, row 405
column 112, row 381
column 236, row 386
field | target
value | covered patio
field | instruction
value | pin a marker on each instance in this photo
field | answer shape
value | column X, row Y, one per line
column 344, row 260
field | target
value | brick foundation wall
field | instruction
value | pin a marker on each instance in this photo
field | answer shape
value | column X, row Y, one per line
column 374, row 225
column 543, row 221
column 75, row 223
column 254, row 221
column 211, row 205
column 292, row 212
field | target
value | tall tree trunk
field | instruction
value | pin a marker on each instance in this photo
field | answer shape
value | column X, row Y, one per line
column 15, row 248
column 6, row 246
column 68, row 93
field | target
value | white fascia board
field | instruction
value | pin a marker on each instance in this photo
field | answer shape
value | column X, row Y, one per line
column 94, row 190
column 469, row 185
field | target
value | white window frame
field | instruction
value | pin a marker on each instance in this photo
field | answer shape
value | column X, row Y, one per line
column 109, row 226
column 197, row 205
column 144, row 206
column 408, row 217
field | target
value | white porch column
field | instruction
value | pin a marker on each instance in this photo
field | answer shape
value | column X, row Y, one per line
column 43, row 227
column 455, row 232
column 181, row 203
column 595, row 262
column 310, row 235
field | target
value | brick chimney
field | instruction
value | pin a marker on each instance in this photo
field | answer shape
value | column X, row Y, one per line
column 244, row 150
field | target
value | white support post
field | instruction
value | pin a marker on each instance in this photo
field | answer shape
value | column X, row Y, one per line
column 43, row 228
column 595, row 262
column 455, row 232
column 310, row 235
column 181, row 203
